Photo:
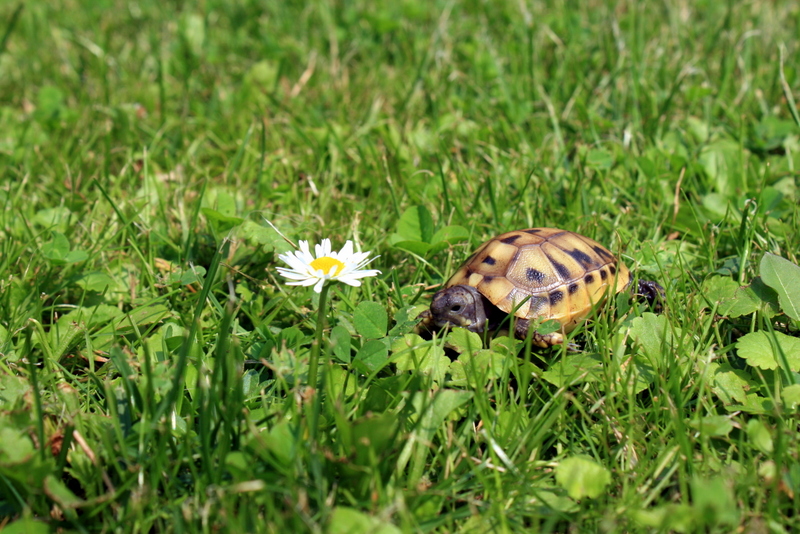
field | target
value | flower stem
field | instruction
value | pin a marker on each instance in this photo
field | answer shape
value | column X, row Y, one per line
column 317, row 344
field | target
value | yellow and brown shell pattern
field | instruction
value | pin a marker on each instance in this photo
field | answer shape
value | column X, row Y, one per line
column 564, row 274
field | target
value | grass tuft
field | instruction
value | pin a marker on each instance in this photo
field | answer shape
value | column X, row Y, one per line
column 154, row 368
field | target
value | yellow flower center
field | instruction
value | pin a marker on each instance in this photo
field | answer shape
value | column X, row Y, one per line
column 326, row 263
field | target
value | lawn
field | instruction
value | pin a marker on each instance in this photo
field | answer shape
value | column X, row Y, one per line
column 159, row 158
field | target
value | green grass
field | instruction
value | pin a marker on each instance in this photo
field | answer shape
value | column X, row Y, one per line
column 153, row 365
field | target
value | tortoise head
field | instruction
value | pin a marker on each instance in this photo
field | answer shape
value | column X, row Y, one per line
column 459, row 306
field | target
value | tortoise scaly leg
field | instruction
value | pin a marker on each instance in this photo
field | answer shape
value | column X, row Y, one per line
column 652, row 292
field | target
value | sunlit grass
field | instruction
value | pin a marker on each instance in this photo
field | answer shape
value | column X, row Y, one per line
column 154, row 364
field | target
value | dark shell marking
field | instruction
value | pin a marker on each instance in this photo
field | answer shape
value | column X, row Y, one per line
column 544, row 273
column 510, row 239
column 533, row 275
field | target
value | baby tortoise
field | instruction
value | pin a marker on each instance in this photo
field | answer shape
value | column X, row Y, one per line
column 538, row 273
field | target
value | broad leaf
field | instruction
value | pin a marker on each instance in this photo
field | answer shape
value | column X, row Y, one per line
column 370, row 320
column 582, row 477
column 574, row 369
column 340, row 343
column 713, row 425
column 654, row 336
column 784, row 277
column 415, row 224
column 265, row 236
column 463, row 341
column 450, row 234
column 58, row 252
column 790, row 395
column 27, row 526
column 760, row 436
column 729, row 384
column 95, row 281
column 351, row 521
column 412, row 353
column 734, row 300
column 759, row 349
column 372, row 356
column 415, row 247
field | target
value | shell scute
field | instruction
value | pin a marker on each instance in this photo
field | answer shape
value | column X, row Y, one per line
column 543, row 272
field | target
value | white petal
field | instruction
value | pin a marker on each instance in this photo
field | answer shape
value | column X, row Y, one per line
column 293, row 275
column 323, row 249
column 347, row 250
column 296, row 264
column 286, row 258
column 318, row 287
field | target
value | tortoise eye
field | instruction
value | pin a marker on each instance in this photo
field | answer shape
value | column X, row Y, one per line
column 456, row 308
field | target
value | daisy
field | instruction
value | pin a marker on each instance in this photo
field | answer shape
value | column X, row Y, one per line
column 343, row 266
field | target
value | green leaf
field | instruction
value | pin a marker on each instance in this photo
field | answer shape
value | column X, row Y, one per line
column 477, row 368
column 412, row 353
column 340, row 343
column 463, row 341
column 27, row 526
column 790, row 395
column 721, row 160
column 222, row 222
column 729, row 384
column 17, row 447
column 714, row 503
column 342, row 384
column 415, row 247
column 194, row 275
column 96, row 281
column 759, row 349
column 760, row 436
column 12, row 388
column 445, row 402
column 265, row 236
column 7, row 346
column 734, row 300
column 373, row 434
column 56, row 248
column 415, row 224
column 281, row 441
column 713, row 425
column 351, row 521
column 373, row 355
column 548, row 327
column 192, row 30
column 370, row 320
column 654, row 336
column 405, row 318
column 450, row 234
column 54, row 218
column 574, row 369
column 60, row 493
column 582, row 477
column 698, row 129
column 666, row 518
column 600, row 158
column 784, row 277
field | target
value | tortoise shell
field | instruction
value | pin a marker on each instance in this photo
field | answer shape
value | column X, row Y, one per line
column 544, row 273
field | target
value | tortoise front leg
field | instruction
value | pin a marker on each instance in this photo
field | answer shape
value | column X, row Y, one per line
column 521, row 328
column 652, row 292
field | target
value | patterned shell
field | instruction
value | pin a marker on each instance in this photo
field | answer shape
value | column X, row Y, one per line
column 548, row 273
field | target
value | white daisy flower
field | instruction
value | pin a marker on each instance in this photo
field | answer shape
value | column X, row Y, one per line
column 343, row 266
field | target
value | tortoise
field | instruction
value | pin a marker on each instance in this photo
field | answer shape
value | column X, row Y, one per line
column 536, row 273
